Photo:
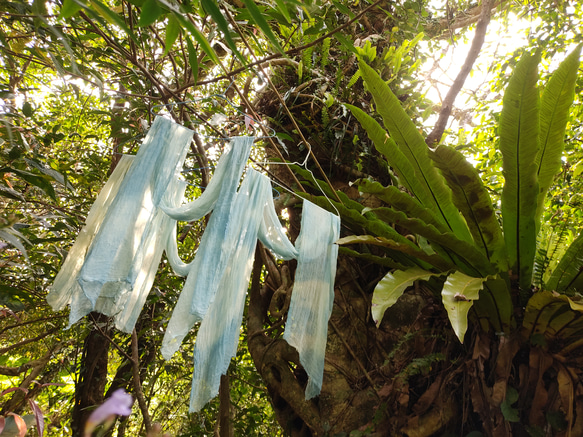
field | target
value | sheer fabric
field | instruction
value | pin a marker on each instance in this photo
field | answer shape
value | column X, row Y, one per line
column 113, row 271
column 214, row 251
column 313, row 292
column 60, row 294
column 251, row 216
column 218, row 336
column 111, row 266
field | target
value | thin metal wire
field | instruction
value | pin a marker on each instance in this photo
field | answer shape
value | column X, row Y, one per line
column 304, row 165
column 210, row 99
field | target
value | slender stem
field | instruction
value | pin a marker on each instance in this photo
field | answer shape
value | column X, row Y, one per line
column 283, row 104
column 137, row 382
column 435, row 135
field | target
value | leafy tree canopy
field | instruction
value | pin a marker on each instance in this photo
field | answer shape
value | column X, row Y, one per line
column 430, row 241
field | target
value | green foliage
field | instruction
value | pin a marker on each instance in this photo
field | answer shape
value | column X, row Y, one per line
column 447, row 204
column 510, row 413
column 391, row 287
column 519, row 134
column 556, row 100
column 458, row 294
column 426, row 183
column 78, row 82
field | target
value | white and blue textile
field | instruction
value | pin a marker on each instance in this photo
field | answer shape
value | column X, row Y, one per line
column 205, row 271
column 312, row 297
column 111, row 267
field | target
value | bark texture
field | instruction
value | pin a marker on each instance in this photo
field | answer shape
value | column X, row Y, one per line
column 92, row 381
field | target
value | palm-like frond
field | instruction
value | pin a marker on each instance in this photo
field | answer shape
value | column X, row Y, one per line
column 519, row 130
column 472, row 199
column 568, row 275
column 556, row 101
column 434, row 193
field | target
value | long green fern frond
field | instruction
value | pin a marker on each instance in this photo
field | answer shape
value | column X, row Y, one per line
column 556, row 101
column 434, row 193
column 519, row 139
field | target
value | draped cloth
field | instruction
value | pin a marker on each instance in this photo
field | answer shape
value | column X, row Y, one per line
column 111, row 266
column 215, row 250
column 218, row 335
column 312, row 297
column 218, row 277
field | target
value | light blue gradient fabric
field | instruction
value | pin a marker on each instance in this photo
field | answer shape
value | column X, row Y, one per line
column 214, row 251
column 218, row 335
column 312, row 297
column 252, row 217
column 113, row 268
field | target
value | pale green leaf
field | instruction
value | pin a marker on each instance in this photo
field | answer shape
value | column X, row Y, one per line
column 15, row 238
column 70, row 8
column 112, row 18
column 192, row 59
column 39, row 181
column 392, row 286
column 568, row 275
column 282, row 7
column 151, row 11
column 199, row 37
column 172, row 32
column 215, row 13
column 387, row 147
column 258, row 18
column 27, row 109
column 458, row 294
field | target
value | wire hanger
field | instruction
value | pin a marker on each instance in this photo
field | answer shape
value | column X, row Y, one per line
column 212, row 98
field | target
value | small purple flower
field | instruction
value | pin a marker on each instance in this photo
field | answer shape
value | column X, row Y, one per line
column 119, row 404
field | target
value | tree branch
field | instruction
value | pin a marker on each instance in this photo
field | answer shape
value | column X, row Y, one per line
column 37, row 366
column 29, row 322
column 288, row 52
column 225, row 425
column 138, row 383
column 435, row 136
column 461, row 20
column 27, row 341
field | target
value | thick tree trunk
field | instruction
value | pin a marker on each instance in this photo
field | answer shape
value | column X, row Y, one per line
column 365, row 373
column 90, row 388
column 225, row 421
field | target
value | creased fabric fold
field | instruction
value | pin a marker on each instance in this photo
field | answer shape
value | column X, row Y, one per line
column 61, row 292
column 313, row 291
column 218, row 335
column 214, row 250
column 116, row 271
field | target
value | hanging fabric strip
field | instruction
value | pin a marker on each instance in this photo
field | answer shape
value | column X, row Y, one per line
column 119, row 266
column 313, row 292
column 61, row 292
column 218, row 336
column 214, row 251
